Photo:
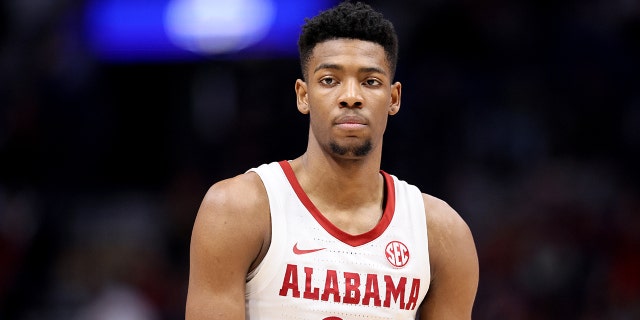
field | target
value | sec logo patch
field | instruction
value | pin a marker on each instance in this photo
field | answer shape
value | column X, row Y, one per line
column 397, row 254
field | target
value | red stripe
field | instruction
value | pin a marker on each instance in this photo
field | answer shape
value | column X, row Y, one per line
column 352, row 240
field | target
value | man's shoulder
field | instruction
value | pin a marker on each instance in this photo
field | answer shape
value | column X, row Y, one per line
column 442, row 219
column 249, row 179
column 240, row 192
column 437, row 206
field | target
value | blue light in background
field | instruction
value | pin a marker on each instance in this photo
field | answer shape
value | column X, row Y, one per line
column 175, row 30
column 218, row 26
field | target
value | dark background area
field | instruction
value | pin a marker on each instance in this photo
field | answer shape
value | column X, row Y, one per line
column 522, row 115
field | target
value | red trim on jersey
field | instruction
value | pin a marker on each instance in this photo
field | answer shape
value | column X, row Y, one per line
column 352, row 240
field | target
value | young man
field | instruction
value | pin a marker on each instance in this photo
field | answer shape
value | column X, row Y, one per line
column 329, row 235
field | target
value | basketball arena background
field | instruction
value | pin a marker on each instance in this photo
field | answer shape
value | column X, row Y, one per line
column 116, row 116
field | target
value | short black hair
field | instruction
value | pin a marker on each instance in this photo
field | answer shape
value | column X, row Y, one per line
column 352, row 21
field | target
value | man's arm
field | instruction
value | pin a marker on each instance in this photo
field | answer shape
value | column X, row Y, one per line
column 454, row 264
column 230, row 233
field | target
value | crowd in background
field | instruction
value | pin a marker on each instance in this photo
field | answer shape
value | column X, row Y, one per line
column 522, row 115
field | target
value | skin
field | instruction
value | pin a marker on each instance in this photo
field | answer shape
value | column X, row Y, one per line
column 348, row 96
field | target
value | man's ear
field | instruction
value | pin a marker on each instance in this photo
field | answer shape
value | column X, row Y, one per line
column 302, row 98
column 396, row 95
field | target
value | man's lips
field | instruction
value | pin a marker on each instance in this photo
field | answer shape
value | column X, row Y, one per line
column 350, row 126
column 350, row 122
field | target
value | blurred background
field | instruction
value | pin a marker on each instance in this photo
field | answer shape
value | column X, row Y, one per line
column 116, row 116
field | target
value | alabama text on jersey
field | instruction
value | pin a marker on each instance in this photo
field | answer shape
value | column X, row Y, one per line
column 314, row 270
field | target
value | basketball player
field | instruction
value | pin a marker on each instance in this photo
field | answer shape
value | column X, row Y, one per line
column 329, row 235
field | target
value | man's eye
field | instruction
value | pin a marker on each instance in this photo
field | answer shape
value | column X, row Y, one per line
column 372, row 82
column 327, row 81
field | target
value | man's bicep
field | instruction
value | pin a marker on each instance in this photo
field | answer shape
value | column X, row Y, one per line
column 455, row 270
column 220, row 254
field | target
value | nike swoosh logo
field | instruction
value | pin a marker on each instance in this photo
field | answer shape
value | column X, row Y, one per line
column 297, row 250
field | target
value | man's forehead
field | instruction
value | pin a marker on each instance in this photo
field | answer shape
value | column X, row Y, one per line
column 340, row 53
column 348, row 44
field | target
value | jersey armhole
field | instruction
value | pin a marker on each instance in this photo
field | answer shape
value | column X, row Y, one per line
column 258, row 278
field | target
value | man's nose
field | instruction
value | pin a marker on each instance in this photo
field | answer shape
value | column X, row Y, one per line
column 351, row 96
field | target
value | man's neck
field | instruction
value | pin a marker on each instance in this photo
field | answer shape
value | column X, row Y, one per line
column 343, row 182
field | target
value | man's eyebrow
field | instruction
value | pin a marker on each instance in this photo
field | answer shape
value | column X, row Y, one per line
column 328, row 66
column 372, row 70
column 338, row 67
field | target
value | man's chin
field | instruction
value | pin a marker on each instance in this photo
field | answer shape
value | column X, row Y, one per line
column 351, row 151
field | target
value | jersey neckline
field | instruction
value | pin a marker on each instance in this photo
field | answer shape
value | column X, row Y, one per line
column 350, row 239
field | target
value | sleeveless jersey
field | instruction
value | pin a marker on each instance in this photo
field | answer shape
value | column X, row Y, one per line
column 313, row 270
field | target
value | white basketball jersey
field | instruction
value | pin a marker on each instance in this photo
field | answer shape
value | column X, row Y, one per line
column 313, row 270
